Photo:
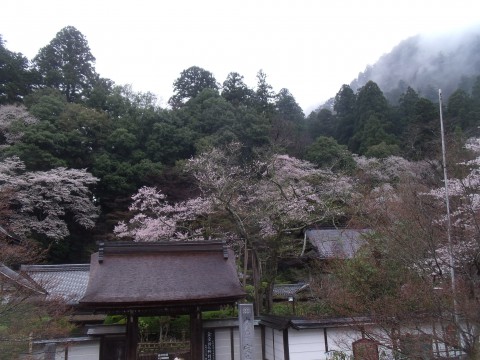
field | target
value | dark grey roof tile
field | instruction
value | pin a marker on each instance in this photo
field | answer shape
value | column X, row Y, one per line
column 66, row 282
column 144, row 274
column 336, row 243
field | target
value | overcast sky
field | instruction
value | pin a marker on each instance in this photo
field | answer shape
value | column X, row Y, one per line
column 310, row 47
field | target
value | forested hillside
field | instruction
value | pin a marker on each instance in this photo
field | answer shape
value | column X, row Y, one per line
column 83, row 159
column 58, row 112
column 426, row 63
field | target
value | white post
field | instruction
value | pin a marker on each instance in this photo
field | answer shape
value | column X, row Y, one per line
column 447, row 203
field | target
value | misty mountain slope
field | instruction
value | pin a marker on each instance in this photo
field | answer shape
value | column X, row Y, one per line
column 426, row 64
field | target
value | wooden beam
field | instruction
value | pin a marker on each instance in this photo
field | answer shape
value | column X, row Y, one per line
column 286, row 345
column 196, row 348
column 132, row 336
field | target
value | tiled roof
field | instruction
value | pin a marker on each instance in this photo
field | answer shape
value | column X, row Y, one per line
column 298, row 323
column 67, row 282
column 17, row 278
column 284, row 291
column 141, row 275
column 336, row 243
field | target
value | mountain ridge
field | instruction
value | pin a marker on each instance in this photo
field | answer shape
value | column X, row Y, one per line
column 426, row 63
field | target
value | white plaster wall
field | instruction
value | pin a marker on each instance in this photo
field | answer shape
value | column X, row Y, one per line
column 258, row 343
column 236, row 344
column 309, row 344
column 83, row 351
column 269, row 344
column 341, row 339
column 274, row 344
column 222, row 344
column 306, row 344
column 437, row 331
column 279, row 350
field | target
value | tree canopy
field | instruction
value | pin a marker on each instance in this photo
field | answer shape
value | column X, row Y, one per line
column 85, row 159
column 42, row 201
column 67, row 64
column 190, row 83
column 261, row 202
column 16, row 77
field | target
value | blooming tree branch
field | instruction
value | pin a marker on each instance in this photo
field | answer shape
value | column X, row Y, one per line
column 42, row 200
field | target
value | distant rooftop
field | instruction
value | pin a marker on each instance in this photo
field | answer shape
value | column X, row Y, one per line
column 336, row 243
column 17, row 278
column 67, row 282
column 298, row 323
column 284, row 291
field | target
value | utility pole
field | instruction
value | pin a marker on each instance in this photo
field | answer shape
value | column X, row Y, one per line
column 447, row 203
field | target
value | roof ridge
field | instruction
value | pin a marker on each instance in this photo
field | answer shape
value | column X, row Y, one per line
column 121, row 247
column 56, row 267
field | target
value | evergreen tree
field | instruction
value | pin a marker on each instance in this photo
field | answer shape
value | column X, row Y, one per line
column 235, row 91
column 423, row 132
column 459, row 110
column 191, row 83
column 288, row 122
column 321, row 123
column 264, row 95
column 16, row 78
column 67, row 64
column 287, row 108
column 326, row 152
column 372, row 119
column 344, row 107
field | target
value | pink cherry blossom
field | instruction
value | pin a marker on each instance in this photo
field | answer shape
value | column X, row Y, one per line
column 42, row 199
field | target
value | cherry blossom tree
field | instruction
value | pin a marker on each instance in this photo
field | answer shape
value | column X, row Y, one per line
column 268, row 200
column 263, row 202
column 13, row 118
column 24, row 315
column 457, row 258
column 43, row 201
column 402, row 277
column 156, row 219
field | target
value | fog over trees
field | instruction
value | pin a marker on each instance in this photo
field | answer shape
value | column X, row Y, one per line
column 84, row 159
column 426, row 63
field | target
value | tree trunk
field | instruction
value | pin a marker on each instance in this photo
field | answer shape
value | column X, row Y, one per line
column 269, row 297
column 270, row 275
column 245, row 266
column 257, row 283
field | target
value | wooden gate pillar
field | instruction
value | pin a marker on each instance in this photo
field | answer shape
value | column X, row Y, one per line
column 132, row 336
column 196, row 348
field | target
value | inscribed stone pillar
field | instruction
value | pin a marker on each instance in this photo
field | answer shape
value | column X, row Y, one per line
column 246, row 331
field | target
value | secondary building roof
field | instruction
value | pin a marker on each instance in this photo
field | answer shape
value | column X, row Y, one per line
column 12, row 280
column 140, row 276
column 286, row 291
column 336, row 243
column 298, row 323
column 65, row 282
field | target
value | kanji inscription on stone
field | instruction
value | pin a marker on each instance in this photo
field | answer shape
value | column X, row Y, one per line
column 246, row 331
